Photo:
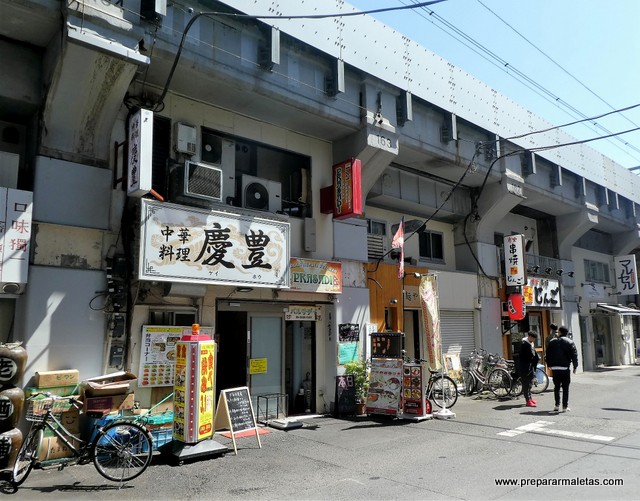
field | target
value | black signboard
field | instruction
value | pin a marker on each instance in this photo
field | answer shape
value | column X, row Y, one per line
column 348, row 332
column 345, row 395
column 235, row 413
column 386, row 344
column 240, row 409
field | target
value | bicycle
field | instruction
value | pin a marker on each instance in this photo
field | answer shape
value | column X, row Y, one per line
column 120, row 451
column 484, row 370
column 539, row 383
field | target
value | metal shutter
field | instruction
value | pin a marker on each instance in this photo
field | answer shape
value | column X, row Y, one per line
column 456, row 331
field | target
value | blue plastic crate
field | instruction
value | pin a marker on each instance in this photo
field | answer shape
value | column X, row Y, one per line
column 161, row 436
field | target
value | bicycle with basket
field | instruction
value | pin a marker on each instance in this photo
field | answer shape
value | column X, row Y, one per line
column 120, row 450
column 483, row 370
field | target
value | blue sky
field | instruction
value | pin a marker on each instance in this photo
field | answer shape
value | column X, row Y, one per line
column 584, row 52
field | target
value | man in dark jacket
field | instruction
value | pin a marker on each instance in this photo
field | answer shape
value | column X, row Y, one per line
column 561, row 353
column 527, row 363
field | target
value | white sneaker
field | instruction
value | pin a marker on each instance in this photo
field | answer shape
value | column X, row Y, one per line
column 556, row 408
column 566, row 409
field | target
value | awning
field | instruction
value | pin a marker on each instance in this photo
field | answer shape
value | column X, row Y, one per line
column 618, row 308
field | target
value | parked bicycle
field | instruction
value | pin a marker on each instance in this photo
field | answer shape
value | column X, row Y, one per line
column 120, row 451
column 539, row 383
column 482, row 370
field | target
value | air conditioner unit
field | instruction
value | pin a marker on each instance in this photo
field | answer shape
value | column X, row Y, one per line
column 378, row 246
column 195, row 184
column 261, row 194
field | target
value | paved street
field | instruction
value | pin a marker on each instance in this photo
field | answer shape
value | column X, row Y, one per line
column 489, row 441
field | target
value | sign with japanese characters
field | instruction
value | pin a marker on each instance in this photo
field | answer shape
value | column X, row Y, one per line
column 15, row 234
column 187, row 244
column 542, row 293
column 158, row 355
column 303, row 313
column 347, row 189
column 311, row 275
column 626, row 277
column 514, row 265
column 140, row 150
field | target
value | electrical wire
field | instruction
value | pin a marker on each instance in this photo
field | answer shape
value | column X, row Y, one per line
column 512, row 71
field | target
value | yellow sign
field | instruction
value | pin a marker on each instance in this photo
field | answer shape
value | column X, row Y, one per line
column 258, row 366
column 311, row 275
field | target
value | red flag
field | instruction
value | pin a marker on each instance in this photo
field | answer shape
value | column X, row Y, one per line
column 398, row 243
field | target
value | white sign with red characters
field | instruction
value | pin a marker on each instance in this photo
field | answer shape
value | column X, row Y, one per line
column 15, row 234
column 514, row 265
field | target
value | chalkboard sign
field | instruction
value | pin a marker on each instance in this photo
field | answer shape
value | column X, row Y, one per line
column 345, row 395
column 235, row 412
column 386, row 344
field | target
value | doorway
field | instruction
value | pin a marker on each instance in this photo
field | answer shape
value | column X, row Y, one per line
column 300, row 366
column 265, row 360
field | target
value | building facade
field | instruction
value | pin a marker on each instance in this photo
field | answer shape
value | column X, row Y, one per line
column 207, row 207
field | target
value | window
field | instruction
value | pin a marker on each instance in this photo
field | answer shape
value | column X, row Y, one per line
column 376, row 227
column 595, row 271
column 431, row 245
column 172, row 317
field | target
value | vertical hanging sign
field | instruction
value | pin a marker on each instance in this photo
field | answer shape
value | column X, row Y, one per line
column 140, row 142
column 626, row 277
column 514, row 261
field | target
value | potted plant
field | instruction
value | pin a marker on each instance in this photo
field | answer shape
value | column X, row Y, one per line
column 360, row 372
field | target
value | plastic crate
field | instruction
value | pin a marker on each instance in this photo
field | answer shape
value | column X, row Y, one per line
column 161, row 436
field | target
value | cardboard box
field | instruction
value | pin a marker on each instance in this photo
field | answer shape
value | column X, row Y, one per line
column 61, row 391
column 55, row 379
column 109, row 403
column 54, row 448
column 118, row 383
column 70, row 420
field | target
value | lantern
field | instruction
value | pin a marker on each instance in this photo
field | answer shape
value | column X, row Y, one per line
column 516, row 306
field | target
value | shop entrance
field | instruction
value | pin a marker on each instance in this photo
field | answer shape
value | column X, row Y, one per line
column 265, row 360
column 300, row 369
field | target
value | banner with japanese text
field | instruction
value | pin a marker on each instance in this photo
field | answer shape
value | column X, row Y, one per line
column 626, row 277
column 431, row 319
column 16, row 207
column 187, row 244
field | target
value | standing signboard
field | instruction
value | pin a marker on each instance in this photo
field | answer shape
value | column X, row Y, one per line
column 158, row 355
column 415, row 406
column 385, row 385
column 193, row 399
column 235, row 413
column 345, row 397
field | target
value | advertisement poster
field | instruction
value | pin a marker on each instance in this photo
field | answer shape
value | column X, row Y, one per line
column 385, row 385
column 347, row 352
column 206, row 405
column 413, row 390
column 158, row 355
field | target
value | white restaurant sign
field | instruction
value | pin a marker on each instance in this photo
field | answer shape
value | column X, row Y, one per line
column 186, row 244
column 514, row 264
column 626, row 277
column 15, row 234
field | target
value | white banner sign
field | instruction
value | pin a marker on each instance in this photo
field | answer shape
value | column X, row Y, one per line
column 186, row 244
column 15, row 234
column 626, row 277
column 514, row 265
column 140, row 153
column 431, row 320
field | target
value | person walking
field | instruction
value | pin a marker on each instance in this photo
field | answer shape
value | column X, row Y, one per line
column 553, row 328
column 561, row 353
column 527, row 363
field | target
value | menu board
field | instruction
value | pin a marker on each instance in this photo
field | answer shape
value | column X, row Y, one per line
column 413, row 389
column 385, row 385
column 345, row 395
column 235, row 413
column 386, row 344
column 158, row 355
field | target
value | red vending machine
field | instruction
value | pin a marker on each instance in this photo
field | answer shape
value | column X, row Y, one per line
column 193, row 398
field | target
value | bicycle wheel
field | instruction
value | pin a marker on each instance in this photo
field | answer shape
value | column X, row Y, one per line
column 499, row 382
column 540, row 381
column 122, row 451
column 27, row 456
column 516, row 387
column 469, row 383
column 444, row 391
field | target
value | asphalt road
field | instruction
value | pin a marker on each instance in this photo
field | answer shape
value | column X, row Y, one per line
column 488, row 442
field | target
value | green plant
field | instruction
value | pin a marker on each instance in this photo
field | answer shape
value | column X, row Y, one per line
column 360, row 371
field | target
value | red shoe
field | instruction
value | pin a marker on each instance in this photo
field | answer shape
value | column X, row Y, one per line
column 532, row 400
column 531, row 403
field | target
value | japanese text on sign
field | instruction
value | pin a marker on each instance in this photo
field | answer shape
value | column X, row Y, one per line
column 626, row 278
column 514, row 264
column 15, row 234
column 189, row 244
